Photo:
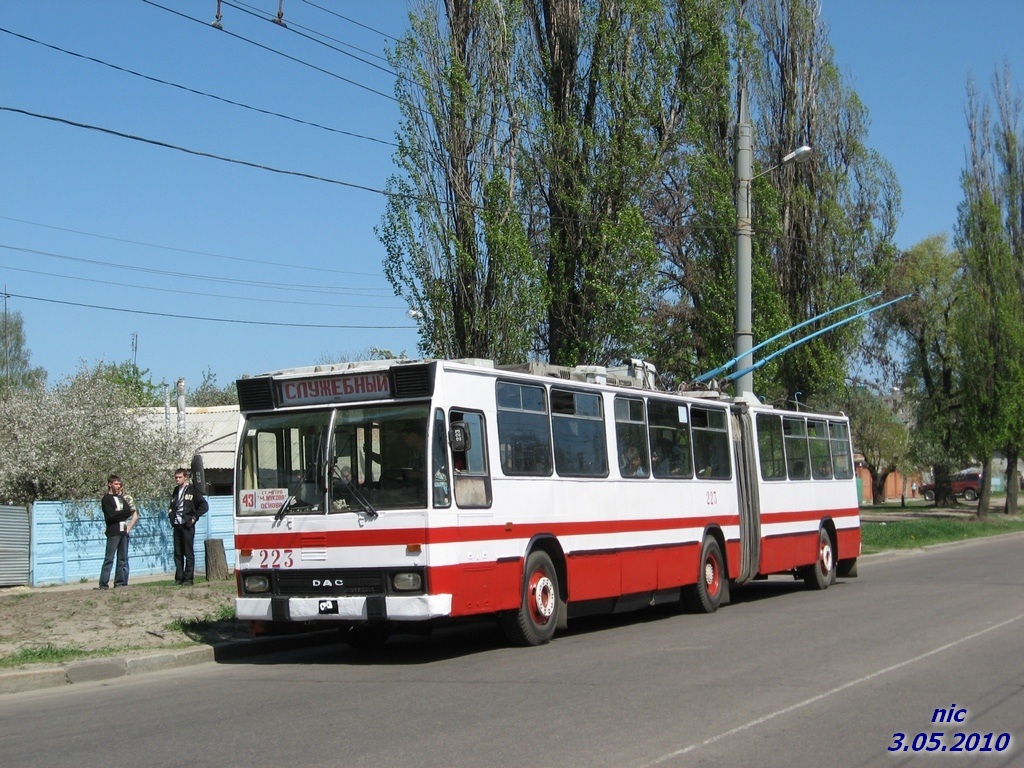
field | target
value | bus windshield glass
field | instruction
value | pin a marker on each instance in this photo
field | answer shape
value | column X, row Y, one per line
column 334, row 461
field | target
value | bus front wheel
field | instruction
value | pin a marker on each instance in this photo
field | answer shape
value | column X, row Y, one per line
column 706, row 595
column 535, row 621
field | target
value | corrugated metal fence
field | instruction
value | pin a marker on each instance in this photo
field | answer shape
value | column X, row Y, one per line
column 68, row 540
column 14, row 546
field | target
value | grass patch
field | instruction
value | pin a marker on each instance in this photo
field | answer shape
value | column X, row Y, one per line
column 49, row 654
column 920, row 532
column 52, row 654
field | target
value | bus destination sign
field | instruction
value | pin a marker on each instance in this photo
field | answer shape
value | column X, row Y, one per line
column 334, row 389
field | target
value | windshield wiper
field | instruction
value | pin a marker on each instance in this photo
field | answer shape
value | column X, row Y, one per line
column 284, row 509
column 363, row 501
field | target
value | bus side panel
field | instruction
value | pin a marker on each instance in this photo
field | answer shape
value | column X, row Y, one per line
column 478, row 588
column 593, row 575
column 784, row 553
column 849, row 543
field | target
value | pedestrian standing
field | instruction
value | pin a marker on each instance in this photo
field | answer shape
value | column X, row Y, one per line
column 120, row 517
column 187, row 506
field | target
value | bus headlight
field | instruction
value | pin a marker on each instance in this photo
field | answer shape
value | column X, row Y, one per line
column 407, row 582
column 256, row 583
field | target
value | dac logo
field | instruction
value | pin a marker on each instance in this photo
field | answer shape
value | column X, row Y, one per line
column 328, row 583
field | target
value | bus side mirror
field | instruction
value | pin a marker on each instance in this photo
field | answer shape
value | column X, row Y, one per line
column 458, row 436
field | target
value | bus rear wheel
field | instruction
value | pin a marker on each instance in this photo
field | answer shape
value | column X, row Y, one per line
column 535, row 621
column 822, row 574
column 706, row 595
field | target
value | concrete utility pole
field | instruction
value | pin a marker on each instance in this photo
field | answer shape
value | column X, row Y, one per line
column 743, row 169
column 744, row 163
column 180, row 388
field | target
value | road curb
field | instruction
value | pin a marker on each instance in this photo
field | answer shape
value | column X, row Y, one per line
column 113, row 667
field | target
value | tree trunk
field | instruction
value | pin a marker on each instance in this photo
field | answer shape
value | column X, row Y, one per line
column 1012, row 481
column 216, row 561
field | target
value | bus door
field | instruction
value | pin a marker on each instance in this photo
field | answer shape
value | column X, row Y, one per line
column 471, row 492
column 744, row 450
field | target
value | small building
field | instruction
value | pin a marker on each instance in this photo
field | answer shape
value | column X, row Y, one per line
column 216, row 429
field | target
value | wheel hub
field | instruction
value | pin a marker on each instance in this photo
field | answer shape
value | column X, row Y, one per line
column 543, row 596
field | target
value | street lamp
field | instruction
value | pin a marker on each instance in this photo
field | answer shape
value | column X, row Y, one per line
column 744, row 340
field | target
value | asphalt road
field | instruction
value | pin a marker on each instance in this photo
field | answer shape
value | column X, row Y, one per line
column 782, row 677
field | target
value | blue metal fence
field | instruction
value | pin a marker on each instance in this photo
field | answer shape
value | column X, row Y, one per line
column 68, row 540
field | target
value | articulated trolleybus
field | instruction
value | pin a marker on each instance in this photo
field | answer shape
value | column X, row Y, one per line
column 391, row 495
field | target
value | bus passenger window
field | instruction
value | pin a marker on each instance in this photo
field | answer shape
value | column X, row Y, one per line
column 711, row 454
column 798, row 459
column 524, row 433
column 630, row 429
column 472, row 480
column 769, row 447
column 842, row 455
column 670, row 439
column 579, row 436
column 821, row 458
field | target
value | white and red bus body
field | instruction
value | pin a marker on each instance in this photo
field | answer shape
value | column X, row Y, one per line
column 376, row 494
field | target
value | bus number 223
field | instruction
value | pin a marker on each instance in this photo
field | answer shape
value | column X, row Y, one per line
column 275, row 558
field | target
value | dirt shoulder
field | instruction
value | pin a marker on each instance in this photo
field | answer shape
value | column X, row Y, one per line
column 145, row 616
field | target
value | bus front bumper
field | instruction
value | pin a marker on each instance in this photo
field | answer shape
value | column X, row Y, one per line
column 390, row 607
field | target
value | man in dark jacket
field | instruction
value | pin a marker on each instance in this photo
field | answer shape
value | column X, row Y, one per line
column 120, row 517
column 187, row 506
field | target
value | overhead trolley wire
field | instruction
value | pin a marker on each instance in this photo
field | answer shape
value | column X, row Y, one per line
column 326, row 290
column 197, row 92
column 209, row 319
column 193, row 252
column 198, row 153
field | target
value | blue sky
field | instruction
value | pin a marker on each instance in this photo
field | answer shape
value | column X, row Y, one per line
column 108, row 242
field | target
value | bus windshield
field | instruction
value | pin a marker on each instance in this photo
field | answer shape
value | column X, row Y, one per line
column 334, row 461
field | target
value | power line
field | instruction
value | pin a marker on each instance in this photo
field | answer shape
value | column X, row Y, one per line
column 209, row 319
column 196, row 293
column 189, row 251
column 198, row 153
column 184, row 276
column 276, row 52
column 196, row 92
column 292, row 26
column 351, row 21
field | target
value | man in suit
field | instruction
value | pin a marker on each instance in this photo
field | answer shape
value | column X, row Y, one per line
column 187, row 506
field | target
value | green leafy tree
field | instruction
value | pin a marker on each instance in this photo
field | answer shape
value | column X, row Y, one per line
column 879, row 434
column 690, row 318
column 602, row 81
column 136, row 383
column 208, row 394
column 457, row 248
column 19, row 374
column 920, row 331
column 831, row 221
column 990, row 324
